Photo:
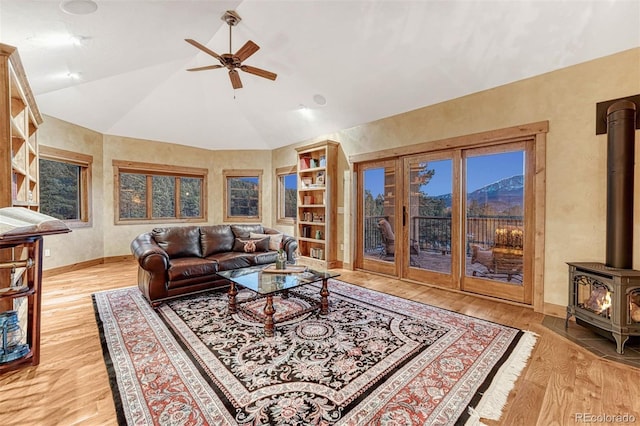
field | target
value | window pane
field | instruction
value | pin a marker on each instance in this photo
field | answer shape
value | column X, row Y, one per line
column 60, row 189
column 163, row 196
column 495, row 216
column 290, row 195
column 190, row 197
column 133, row 195
column 378, row 204
column 431, row 186
column 243, row 196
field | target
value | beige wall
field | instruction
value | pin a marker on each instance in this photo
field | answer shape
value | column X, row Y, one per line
column 86, row 243
column 104, row 238
column 122, row 148
column 576, row 157
column 576, row 180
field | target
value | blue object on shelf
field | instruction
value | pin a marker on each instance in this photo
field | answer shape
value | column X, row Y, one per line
column 11, row 335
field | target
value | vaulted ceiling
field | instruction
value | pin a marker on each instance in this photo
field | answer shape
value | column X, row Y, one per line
column 121, row 70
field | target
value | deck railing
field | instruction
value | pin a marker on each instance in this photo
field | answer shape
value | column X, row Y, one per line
column 434, row 233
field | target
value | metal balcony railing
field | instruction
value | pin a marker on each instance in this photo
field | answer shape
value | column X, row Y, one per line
column 434, row 233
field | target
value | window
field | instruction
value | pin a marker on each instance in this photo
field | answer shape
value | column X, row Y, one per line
column 159, row 193
column 287, row 181
column 65, row 185
column 242, row 195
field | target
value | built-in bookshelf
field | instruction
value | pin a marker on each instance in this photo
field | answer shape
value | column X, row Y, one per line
column 18, row 144
column 19, row 285
column 317, row 204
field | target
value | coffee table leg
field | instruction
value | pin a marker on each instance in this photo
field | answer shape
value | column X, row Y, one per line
column 324, row 298
column 232, row 298
column 268, row 321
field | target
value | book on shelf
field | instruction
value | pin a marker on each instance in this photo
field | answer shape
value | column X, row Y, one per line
column 20, row 221
column 305, row 162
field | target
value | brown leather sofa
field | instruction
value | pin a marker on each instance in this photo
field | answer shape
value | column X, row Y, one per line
column 184, row 259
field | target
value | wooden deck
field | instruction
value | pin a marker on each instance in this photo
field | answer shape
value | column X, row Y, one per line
column 442, row 263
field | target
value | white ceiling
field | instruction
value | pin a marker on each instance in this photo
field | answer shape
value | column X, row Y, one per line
column 369, row 59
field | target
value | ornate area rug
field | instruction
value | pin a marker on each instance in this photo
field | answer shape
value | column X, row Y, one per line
column 375, row 359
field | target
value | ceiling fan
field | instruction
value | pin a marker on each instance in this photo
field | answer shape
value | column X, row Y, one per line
column 230, row 61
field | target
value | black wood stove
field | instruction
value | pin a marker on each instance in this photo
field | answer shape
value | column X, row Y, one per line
column 606, row 297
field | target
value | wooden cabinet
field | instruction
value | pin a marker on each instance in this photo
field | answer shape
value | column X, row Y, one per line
column 21, row 233
column 20, row 301
column 317, row 204
column 18, row 134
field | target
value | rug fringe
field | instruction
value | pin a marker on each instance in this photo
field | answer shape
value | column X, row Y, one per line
column 495, row 398
column 474, row 418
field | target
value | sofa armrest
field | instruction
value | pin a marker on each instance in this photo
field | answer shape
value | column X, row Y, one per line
column 290, row 245
column 149, row 255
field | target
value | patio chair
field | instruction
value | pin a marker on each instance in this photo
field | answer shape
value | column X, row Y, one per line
column 504, row 258
column 389, row 242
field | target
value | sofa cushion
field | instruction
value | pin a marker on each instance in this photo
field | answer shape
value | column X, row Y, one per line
column 274, row 239
column 179, row 241
column 243, row 231
column 216, row 239
column 232, row 260
column 251, row 245
column 190, row 267
column 264, row 258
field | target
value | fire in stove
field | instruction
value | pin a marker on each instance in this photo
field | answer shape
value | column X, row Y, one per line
column 634, row 307
column 597, row 299
column 606, row 300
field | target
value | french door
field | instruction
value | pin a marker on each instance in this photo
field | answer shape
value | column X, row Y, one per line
column 379, row 203
column 497, row 221
column 432, row 218
column 459, row 219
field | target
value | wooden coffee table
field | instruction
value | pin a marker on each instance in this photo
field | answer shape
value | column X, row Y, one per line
column 268, row 284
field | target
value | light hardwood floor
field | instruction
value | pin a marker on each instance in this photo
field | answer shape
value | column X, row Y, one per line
column 70, row 386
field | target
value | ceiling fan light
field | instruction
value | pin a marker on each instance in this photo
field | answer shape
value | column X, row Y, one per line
column 78, row 7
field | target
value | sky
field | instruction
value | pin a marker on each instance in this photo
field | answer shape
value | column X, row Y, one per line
column 481, row 171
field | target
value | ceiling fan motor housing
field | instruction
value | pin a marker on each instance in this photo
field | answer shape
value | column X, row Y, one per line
column 231, row 18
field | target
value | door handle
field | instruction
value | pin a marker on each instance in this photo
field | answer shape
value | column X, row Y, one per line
column 404, row 216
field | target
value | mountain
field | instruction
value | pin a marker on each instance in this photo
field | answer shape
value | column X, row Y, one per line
column 502, row 196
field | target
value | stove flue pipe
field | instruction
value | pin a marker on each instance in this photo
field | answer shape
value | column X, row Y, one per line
column 621, row 123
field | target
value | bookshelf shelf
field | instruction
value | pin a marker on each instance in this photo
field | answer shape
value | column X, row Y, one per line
column 317, row 204
column 19, row 146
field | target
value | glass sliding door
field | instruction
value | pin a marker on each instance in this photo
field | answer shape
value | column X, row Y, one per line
column 495, row 205
column 430, row 223
column 377, row 214
column 460, row 218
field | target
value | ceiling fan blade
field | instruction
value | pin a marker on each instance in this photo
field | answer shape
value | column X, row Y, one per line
column 259, row 72
column 202, row 47
column 247, row 50
column 235, row 79
column 208, row 67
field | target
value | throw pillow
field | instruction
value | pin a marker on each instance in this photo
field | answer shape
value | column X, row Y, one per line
column 248, row 245
column 274, row 239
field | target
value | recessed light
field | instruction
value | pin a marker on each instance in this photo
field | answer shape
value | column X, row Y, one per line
column 320, row 100
column 78, row 7
column 73, row 76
